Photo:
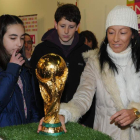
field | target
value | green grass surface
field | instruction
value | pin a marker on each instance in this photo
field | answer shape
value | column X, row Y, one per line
column 28, row 132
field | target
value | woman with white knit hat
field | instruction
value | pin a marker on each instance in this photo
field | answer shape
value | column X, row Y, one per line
column 113, row 72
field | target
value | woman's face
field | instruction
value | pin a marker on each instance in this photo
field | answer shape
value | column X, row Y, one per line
column 13, row 39
column 119, row 37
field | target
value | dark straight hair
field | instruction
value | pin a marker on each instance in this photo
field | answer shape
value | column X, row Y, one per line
column 90, row 37
column 5, row 21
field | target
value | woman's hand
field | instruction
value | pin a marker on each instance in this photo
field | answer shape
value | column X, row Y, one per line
column 124, row 117
column 17, row 59
column 62, row 120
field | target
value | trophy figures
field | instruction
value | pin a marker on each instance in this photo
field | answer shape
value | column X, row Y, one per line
column 51, row 73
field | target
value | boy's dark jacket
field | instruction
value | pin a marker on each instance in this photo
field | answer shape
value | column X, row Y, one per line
column 72, row 56
column 11, row 100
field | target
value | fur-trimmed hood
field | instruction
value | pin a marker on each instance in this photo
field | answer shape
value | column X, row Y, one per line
column 107, row 77
column 90, row 54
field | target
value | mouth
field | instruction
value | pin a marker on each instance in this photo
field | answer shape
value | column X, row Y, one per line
column 17, row 51
column 116, row 45
column 65, row 36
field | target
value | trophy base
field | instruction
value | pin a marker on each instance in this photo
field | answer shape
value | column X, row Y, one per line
column 52, row 129
column 51, row 134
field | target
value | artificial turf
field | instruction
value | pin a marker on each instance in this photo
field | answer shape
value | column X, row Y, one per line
column 75, row 131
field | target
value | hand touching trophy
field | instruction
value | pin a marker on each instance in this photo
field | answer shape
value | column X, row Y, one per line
column 51, row 73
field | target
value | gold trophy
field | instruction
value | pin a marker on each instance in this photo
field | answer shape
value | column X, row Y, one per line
column 51, row 73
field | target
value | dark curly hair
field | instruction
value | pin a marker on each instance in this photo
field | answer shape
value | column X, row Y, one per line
column 68, row 11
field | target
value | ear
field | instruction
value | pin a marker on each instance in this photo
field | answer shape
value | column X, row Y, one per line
column 77, row 27
column 86, row 41
column 55, row 24
column 132, row 36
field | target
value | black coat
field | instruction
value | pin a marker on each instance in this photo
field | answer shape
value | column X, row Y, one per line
column 73, row 59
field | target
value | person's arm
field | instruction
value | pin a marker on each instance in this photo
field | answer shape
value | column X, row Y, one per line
column 82, row 99
column 8, row 78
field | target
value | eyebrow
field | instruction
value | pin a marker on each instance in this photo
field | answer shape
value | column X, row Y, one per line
column 120, row 29
column 72, row 25
column 66, row 24
column 15, row 35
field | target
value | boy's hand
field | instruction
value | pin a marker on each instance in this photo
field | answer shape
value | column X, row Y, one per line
column 40, row 125
column 17, row 59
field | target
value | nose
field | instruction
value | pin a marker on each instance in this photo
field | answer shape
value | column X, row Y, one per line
column 25, row 43
column 66, row 30
column 116, row 37
column 19, row 42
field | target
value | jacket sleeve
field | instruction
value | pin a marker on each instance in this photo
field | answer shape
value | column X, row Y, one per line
column 136, row 123
column 8, row 80
column 35, row 115
column 83, row 97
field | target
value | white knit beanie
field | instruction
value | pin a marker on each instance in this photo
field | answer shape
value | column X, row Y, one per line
column 122, row 15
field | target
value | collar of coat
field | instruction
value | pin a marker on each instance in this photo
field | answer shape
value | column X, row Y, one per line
column 107, row 77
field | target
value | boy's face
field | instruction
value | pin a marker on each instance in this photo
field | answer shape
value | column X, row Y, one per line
column 66, row 30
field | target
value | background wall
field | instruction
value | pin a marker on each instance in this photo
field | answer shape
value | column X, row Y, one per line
column 93, row 13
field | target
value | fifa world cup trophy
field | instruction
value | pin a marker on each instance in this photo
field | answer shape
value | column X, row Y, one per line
column 51, row 73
